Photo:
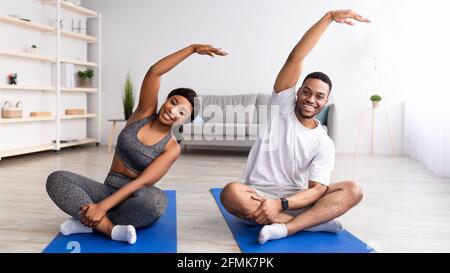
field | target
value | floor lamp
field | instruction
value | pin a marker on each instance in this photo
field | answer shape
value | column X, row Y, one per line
column 373, row 53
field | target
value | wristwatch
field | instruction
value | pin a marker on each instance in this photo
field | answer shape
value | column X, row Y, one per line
column 284, row 204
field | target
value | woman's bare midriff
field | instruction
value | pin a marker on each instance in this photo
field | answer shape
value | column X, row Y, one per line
column 117, row 166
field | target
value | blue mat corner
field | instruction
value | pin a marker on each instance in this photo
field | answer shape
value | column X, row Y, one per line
column 160, row 237
column 302, row 242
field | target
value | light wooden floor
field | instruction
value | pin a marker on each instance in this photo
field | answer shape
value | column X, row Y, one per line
column 405, row 208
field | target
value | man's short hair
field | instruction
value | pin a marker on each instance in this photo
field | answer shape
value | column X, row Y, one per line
column 321, row 76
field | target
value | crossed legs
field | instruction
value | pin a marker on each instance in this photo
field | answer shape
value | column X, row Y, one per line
column 237, row 200
column 337, row 200
column 71, row 191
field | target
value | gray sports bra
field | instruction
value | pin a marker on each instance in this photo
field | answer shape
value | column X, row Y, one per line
column 133, row 153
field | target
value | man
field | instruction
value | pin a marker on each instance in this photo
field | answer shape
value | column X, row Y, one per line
column 287, row 178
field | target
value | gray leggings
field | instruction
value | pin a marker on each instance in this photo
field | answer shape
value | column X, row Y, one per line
column 71, row 191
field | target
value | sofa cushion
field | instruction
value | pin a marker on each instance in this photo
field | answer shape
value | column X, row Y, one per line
column 252, row 130
column 192, row 131
column 262, row 100
column 230, row 130
column 199, row 131
column 322, row 116
column 224, row 109
column 198, row 120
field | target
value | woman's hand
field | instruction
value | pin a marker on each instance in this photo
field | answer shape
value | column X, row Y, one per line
column 92, row 214
column 346, row 16
column 209, row 50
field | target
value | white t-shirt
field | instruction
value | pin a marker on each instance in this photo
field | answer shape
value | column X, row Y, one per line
column 287, row 155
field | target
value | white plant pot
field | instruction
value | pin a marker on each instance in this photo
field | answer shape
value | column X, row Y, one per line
column 375, row 104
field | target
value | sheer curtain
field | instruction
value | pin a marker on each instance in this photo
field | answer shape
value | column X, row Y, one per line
column 427, row 135
column 426, row 81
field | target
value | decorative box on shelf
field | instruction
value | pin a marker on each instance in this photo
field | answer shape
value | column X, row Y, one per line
column 40, row 114
column 75, row 111
column 11, row 112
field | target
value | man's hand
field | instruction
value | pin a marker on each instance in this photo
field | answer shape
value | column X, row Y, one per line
column 346, row 16
column 209, row 50
column 267, row 212
column 92, row 214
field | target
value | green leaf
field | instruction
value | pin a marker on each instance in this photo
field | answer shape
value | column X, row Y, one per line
column 375, row 98
column 128, row 97
column 88, row 73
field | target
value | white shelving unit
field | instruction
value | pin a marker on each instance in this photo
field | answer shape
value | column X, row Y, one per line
column 25, row 24
column 23, row 55
column 80, row 63
column 79, row 89
column 92, row 94
column 72, row 7
column 28, row 119
column 79, row 142
column 82, row 37
column 88, row 115
column 47, row 29
column 27, row 87
column 27, row 150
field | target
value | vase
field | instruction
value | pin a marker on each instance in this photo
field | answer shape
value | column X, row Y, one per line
column 375, row 104
column 85, row 82
column 127, row 113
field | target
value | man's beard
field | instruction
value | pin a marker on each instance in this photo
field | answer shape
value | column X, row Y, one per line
column 298, row 112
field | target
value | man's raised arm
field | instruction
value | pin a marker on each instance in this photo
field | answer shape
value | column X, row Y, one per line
column 290, row 73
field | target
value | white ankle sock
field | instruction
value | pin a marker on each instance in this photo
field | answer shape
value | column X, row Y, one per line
column 124, row 233
column 272, row 232
column 73, row 226
column 333, row 226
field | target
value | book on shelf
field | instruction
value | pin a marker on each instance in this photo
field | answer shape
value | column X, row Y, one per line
column 67, row 75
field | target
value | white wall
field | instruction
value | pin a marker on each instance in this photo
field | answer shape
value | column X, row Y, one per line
column 427, row 115
column 258, row 35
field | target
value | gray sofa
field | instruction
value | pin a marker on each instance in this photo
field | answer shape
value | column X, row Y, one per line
column 233, row 121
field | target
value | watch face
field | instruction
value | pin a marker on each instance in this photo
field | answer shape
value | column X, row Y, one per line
column 284, row 203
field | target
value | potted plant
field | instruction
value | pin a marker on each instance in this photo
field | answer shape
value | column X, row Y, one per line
column 33, row 49
column 85, row 78
column 375, row 100
column 128, row 98
column 12, row 78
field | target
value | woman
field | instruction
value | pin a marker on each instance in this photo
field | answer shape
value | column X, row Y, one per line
column 145, row 151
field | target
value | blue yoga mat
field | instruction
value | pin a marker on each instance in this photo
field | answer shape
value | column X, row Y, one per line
column 160, row 237
column 302, row 242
